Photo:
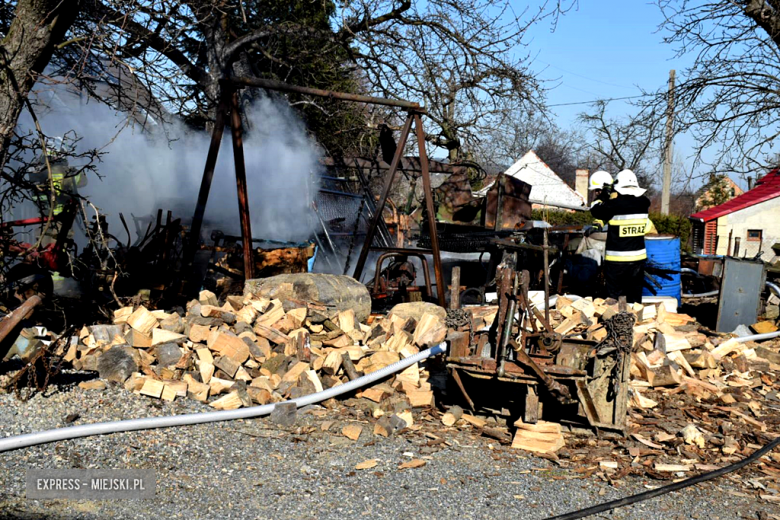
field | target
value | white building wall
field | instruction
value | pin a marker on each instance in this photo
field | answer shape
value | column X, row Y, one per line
column 764, row 216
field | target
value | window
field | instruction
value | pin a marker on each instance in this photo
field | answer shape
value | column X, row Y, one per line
column 754, row 235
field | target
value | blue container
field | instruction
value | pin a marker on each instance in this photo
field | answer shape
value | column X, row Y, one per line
column 664, row 252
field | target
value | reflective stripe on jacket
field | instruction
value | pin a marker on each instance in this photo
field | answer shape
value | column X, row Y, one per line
column 628, row 223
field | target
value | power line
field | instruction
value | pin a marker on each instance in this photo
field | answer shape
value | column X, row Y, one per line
column 586, row 77
column 595, row 100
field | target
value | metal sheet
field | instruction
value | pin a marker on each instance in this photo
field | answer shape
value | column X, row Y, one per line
column 740, row 293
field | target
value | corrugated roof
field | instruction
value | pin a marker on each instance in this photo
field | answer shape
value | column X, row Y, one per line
column 768, row 187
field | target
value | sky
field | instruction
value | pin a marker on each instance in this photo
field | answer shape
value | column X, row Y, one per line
column 603, row 49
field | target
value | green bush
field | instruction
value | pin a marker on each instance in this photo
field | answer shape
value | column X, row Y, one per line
column 563, row 218
column 665, row 224
column 673, row 225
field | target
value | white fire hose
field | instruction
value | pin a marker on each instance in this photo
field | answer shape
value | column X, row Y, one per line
column 87, row 430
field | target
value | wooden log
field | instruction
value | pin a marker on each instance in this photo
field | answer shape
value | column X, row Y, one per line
column 198, row 333
column 665, row 376
column 152, row 388
column 346, row 321
column 232, row 347
column 452, row 416
column 332, row 362
column 137, row 339
column 142, row 321
column 431, row 330
column 349, row 367
column 195, row 389
column 121, row 315
column 227, row 365
column 230, row 401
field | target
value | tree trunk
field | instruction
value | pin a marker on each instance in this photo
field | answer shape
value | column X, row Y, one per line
column 38, row 26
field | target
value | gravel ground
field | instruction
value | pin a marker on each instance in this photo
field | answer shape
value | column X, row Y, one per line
column 254, row 469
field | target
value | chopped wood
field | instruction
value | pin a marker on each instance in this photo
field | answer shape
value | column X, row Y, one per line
column 542, row 437
column 452, row 416
column 474, row 421
column 121, row 315
column 672, row 468
column 230, row 401
column 665, row 376
column 199, row 333
column 727, row 347
column 295, row 372
column 142, row 321
column 352, row 431
column 232, row 347
column 96, row 384
column 367, row 464
column 160, row 336
column 431, row 330
column 152, row 388
column 414, row 463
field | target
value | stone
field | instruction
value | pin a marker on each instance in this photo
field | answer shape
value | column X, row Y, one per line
column 772, row 312
column 284, row 414
column 117, row 364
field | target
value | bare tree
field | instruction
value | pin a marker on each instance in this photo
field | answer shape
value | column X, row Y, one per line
column 617, row 144
column 25, row 50
column 456, row 56
column 729, row 99
column 503, row 146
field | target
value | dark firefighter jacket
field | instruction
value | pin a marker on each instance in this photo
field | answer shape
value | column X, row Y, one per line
column 628, row 224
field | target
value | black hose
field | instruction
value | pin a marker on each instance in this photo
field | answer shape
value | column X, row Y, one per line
column 582, row 513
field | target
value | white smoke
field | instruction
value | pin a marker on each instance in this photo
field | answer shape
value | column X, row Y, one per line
column 145, row 171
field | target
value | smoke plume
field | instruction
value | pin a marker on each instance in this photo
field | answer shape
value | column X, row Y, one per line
column 143, row 171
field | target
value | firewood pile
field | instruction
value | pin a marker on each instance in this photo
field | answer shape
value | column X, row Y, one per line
column 254, row 350
column 699, row 401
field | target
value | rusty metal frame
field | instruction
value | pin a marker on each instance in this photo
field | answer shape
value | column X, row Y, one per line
column 423, row 261
column 229, row 106
column 425, row 173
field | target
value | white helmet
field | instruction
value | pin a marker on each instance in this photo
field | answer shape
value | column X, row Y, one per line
column 627, row 184
column 598, row 180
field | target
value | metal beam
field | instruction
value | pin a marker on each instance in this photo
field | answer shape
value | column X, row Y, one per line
column 361, row 263
column 205, row 183
column 243, row 197
column 437, row 269
column 280, row 86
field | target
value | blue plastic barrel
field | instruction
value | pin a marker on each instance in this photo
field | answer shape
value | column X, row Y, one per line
column 664, row 252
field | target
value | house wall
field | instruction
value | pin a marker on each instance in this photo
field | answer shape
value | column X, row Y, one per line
column 764, row 216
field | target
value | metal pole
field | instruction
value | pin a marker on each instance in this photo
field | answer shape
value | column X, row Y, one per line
column 243, row 198
column 440, row 287
column 361, row 263
column 668, row 148
column 205, row 183
column 546, row 277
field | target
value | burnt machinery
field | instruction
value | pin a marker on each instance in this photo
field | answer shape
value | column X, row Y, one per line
column 543, row 373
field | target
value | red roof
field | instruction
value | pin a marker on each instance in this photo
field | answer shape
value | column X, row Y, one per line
column 768, row 187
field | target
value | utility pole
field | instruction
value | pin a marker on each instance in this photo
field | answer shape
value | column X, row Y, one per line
column 667, row 186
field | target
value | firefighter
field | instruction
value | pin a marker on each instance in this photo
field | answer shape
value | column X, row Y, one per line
column 599, row 182
column 628, row 222
column 64, row 181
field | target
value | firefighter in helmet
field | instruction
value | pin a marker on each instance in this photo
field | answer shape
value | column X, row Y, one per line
column 627, row 217
column 63, row 187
